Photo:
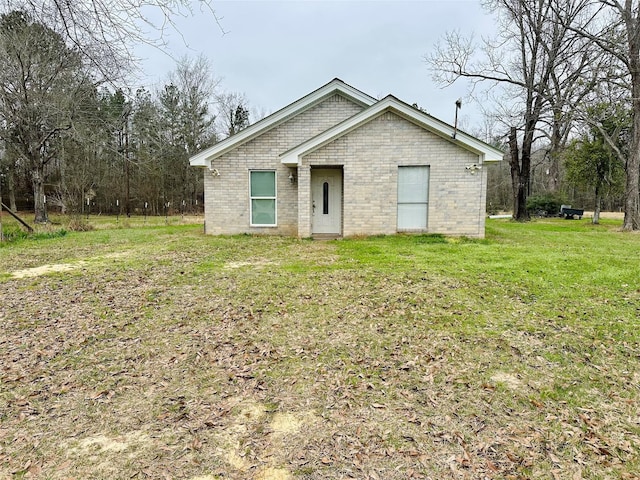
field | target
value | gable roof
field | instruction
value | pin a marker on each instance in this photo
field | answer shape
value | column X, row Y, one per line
column 204, row 158
column 486, row 152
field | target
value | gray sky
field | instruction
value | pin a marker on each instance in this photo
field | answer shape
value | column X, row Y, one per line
column 276, row 52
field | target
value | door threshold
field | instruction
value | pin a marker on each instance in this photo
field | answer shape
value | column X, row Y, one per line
column 326, row 236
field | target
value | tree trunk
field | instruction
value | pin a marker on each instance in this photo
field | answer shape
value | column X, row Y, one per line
column 553, row 178
column 11, row 186
column 596, row 207
column 39, row 203
column 632, row 169
column 519, row 179
column 632, row 192
column 127, row 186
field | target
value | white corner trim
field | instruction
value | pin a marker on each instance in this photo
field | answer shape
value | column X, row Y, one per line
column 486, row 152
column 204, row 158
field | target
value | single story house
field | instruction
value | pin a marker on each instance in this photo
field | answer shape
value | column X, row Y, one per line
column 338, row 162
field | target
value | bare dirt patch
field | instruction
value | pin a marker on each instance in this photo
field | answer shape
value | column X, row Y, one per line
column 507, row 379
column 251, row 416
column 62, row 267
column 46, row 269
column 283, row 423
column 110, row 444
column 255, row 263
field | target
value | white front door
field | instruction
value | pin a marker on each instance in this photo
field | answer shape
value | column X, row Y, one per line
column 326, row 201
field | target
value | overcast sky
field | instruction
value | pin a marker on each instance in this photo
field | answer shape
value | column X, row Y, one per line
column 277, row 52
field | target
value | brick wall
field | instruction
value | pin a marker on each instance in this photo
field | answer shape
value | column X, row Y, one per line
column 227, row 196
column 370, row 156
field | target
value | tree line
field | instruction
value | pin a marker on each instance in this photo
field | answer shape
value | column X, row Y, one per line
column 562, row 78
column 72, row 141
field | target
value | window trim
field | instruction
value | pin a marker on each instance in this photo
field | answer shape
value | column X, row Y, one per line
column 274, row 198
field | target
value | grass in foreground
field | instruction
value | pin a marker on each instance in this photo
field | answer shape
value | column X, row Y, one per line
column 160, row 352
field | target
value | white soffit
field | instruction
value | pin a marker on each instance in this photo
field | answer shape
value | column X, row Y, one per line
column 486, row 152
column 204, row 158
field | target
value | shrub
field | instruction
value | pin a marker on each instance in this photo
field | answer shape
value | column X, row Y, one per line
column 545, row 204
column 78, row 224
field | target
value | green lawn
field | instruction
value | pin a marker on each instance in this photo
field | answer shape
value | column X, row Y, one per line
column 159, row 352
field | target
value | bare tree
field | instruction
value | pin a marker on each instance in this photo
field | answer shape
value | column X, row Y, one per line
column 535, row 57
column 196, row 85
column 574, row 79
column 104, row 31
column 187, row 126
column 41, row 81
column 233, row 112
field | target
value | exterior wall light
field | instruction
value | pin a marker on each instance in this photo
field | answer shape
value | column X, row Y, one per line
column 473, row 168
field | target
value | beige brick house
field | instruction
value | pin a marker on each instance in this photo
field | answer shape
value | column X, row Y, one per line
column 338, row 162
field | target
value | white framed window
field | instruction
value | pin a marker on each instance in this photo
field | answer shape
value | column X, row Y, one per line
column 262, row 198
column 413, row 197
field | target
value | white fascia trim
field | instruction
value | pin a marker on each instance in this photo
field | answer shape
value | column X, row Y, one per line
column 204, row 158
column 486, row 152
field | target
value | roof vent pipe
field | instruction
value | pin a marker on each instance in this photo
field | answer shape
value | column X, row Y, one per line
column 455, row 125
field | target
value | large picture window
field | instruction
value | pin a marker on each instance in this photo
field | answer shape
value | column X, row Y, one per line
column 413, row 197
column 263, row 198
